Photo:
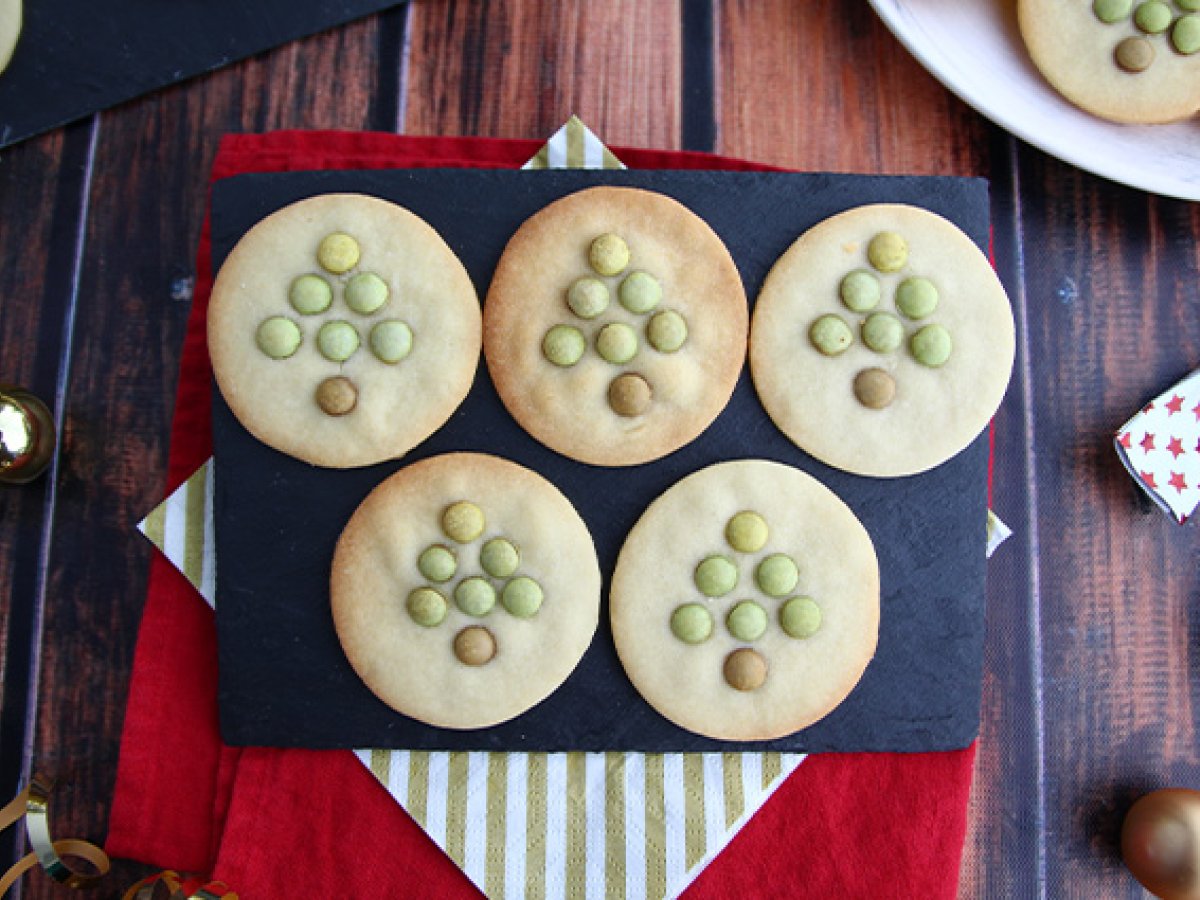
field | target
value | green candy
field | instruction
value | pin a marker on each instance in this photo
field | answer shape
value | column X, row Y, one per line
column 587, row 297
column 1152, row 17
column 882, row 332
column 310, row 294
column 860, row 291
column 830, row 335
column 639, row 292
column 437, row 563
column 1185, row 36
column 337, row 340
column 747, row 621
column 1112, row 10
column 777, row 575
column 666, row 331
column 426, row 607
column 608, row 254
column 522, row 597
column 463, row 521
column 692, row 623
column 564, row 345
column 499, row 557
column 366, row 292
column 800, row 617
column 475, row 596
column 931, row 346
column 716, row 576
column 1189, row 5
column 916, row 297
column 391, row 340
column 278, row 337
column 617, row 343
column 888, row 251
column 746, row 532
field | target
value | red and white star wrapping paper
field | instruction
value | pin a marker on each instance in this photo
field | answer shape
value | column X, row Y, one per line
column 1160, row 446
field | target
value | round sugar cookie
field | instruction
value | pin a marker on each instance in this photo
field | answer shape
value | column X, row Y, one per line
column 465, row 589
column 11, row 14
column 745, row 601
column 615, row 326
column 343, row 330
column 882, row 341
column 1132, row 61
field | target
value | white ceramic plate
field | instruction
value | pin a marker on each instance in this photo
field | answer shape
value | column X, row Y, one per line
column 974, row 48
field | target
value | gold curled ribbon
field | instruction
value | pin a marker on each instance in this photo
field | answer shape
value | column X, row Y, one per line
column 33, row 804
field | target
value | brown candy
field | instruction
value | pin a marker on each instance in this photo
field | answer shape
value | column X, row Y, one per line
column 745, row 669
column 874, row 388
column 474, row 646
column 337, row 396
column 1134, row 54
column 629, row 395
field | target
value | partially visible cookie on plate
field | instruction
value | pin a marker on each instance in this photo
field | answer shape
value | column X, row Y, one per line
column 615, row 326
column 343, row 330
column 745, row 601
column 1133, row 61
column 882, row 341
column 11, row 14
column 465, row 589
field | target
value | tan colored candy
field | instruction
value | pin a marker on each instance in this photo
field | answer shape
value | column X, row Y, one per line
column 629, row 395
column 337, row 396
column 745, row 669
column 1134, row 54
column 874, row 388
column 474, row 646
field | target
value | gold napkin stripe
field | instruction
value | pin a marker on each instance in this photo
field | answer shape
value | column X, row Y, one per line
column 624, row 824
column 574, row 146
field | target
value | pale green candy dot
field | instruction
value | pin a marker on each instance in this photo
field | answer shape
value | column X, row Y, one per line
column 1185, row 36
column 888, row 251
column 1152, row 17
column 747, row 621
column 882, row 332
column 475, row 596
column 692, row 623
column 1189, row 5
column 860, row 291
column 777, row 575
column 463, row 521
column 1112, row 10
column 427, row 607
column 716, row 576
column 588, row 297
column 666, row 331
column 931, row 346
column 800, row 617
column 617, row 343
column 831, row 335
column 437, row 563
column 278, row 337
column 522, row 597
column 391, row 340
column 499, row 557
column 608, row 254
column 337, row 340
column 916, row 297
column 338, row 253
column 746, row 532
column 310, row 294
column 563, row 345
column 639, row 292
column 366, row 292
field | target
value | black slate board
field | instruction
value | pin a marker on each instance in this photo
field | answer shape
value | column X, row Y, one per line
column 283, row 678
column 76, row 57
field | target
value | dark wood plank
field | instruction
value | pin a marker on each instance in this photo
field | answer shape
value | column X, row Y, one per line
column 146, row 202
column 504, row 69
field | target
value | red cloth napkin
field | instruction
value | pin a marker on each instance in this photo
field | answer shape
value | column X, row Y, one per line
column 273, row 823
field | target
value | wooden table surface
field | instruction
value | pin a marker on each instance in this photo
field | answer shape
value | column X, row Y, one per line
column 1089, row 695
